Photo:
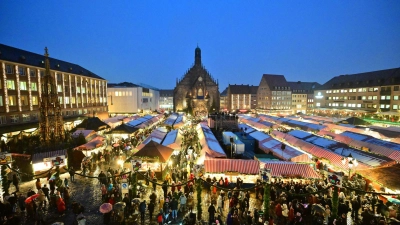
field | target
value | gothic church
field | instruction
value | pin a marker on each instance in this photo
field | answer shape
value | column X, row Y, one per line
column 197, row 91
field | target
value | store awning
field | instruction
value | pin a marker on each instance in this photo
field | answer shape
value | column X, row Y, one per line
column 289, row 169
column 231, row 165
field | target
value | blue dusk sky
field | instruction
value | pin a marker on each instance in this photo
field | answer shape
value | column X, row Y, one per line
column 153, row 42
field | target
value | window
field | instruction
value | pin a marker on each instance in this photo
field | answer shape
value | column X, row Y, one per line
column 35, row 100
column 59, row 88
column 83, row 90
column 66, row 100
column 3, row 120
column 24, row 100
column 21, row 71
column 374, row 97
column 396, row 88
column 73, row 100
column 14, row 118
column 22, row 86
column 32, row 73
column 34, row 116
column 10, row 85
column 395, row 107
column 318, row 104
column 364, row 97
column 78, row 89
column 1, row 100
column 60, row 99
column 12, row 101
column 26, row 117
column 9, row 69
column 396, row 97
column 34, row 86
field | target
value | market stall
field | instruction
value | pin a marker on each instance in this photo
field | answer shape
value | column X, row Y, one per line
column 46, row 160
column 280, row 169
column 154, row 156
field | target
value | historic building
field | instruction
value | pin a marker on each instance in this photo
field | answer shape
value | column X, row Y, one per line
column 302, row 96
column 129, row 98
column 242, row 98
column 223, row 107
column 197, row 91
column 274, row 94
column 363, row 92
column 79, row 91
column 166, row 100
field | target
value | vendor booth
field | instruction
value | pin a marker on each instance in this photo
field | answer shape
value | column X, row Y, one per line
column 247, row 170
column 46, row 160
column 154, row 156
column 289, row 170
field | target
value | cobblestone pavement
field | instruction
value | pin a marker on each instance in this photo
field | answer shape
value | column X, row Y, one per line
column 87, row 192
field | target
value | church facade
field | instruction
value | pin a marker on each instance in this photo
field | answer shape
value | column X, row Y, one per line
column 197, row 91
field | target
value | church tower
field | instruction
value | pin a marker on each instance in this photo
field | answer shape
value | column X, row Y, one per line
column 51, row 124
column 197, row 91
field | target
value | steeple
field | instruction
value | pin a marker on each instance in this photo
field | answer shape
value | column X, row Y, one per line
column 197, row 56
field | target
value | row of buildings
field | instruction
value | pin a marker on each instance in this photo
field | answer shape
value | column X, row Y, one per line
column 83, row 93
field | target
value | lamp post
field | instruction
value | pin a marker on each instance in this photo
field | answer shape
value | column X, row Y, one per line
column 351, row 162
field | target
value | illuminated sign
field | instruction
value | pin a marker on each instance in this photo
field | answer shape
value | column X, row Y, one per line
column 319, row 95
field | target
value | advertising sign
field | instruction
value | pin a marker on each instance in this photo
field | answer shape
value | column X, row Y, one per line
column 5, row 158
column 136, row 164
column 335, row 179
column 266, row 175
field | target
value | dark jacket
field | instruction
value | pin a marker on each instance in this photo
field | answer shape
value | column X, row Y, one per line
column 142, row 207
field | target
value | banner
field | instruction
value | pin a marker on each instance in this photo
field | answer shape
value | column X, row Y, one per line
column 198, row 170
column 266, row 175
column 335, row 178
column 136, row 164
column 5, row 158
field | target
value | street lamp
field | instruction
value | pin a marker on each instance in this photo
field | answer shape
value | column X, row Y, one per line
column 351, row 162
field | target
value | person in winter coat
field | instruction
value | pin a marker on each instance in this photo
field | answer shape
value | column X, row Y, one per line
column 142, row 210
column 15, row 181
column 285, row 214
column 291, row 215
column 220, row 204
column 182, row 201
column 151, row 207
column 211, row 214
column 229, row 219
column 60, row 205
column 174, row 208
column 38, row 184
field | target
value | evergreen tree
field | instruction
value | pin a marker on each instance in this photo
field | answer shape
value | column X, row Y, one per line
column 199, row 189
column 4, row 180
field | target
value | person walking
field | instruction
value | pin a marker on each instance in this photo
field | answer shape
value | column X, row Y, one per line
column 182, row 201
column 174, row 208
column 71, row 172
column 142, row 210
column 151, row 207
column 38, row 184
column 15, row 182
column 211, row 214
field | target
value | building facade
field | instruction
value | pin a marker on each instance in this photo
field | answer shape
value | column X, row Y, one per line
column 302, row 96
column 80, row 92
column 274, row 94
column 241, row 98
column 166, row 100
column 129, row 98
column 223, row 102
column 197, row 91
column 364, row 92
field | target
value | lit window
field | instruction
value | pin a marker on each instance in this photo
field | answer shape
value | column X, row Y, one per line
column 1, row 100
column 34, row 86
column 59, row 88
column 60, row 99
column 35, row 100
column 22, row 86
column 12, row 100
column 10, row 85
column 26, row 117
column 66, row 100
column 24, row 100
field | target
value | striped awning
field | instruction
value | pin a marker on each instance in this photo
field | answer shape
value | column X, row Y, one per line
column 288, row 169
column 231, row 165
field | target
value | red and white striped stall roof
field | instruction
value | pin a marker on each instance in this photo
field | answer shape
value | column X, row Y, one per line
column 289, row 169
column 232, row 165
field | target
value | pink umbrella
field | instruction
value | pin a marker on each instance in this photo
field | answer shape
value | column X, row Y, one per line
column 31, row 198
column 106, row 208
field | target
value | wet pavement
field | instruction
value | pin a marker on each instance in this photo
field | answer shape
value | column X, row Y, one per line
column 86, row 191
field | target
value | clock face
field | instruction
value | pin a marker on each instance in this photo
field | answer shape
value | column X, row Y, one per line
column 200, row 78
